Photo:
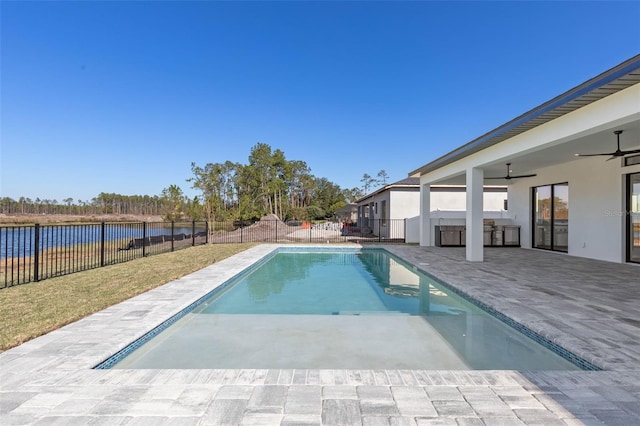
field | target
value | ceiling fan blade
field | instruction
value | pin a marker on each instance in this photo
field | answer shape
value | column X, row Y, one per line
column 618, row 152
column 509, row 177
column 594, row 155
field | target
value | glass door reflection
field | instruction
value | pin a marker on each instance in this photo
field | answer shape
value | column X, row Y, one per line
column 542, row 215
column 551, row 217
column 633, row 203
column 561, row 217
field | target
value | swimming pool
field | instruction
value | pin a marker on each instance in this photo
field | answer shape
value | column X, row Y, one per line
column 339, row 308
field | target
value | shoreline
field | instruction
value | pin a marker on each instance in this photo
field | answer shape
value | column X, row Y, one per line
column 29, row 218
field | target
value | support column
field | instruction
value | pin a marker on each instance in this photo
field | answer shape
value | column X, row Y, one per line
column 425, row 215
column 475, row 225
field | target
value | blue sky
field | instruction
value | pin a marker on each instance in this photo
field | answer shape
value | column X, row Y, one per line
column 123, row 96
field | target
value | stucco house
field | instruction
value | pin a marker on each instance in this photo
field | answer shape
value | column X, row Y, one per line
column 584, row 205
column 392, row 210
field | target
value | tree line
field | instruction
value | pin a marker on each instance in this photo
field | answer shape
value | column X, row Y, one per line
column 104, row 203
column 268, row 183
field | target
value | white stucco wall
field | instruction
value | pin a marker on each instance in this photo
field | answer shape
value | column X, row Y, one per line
column 413, row 230
column 596, row 205
column 493, row 201
column 404, row 204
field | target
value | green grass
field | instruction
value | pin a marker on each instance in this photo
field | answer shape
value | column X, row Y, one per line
column 31, row 310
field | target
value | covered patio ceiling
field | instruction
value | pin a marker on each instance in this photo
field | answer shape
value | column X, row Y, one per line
column 525, row 163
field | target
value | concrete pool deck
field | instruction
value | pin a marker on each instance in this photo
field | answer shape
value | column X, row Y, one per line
column 589, row 307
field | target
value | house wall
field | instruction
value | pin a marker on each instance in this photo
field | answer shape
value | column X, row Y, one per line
column 596, row 206
column 404, row 204
column 375, row 213
column 413, row 230
column 492, row 201
column 384, row 232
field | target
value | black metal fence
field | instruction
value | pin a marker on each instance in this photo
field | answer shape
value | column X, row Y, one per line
column 36, row 252
column 31, row 253
column 275, row 231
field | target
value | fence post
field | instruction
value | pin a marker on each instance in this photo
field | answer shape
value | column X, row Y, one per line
column 276, row 231
column 404, row 233
column 36, row 253
column 144, row 237
column 241, row 230
column 172, row 234
column 206, row 232
column 193, row 233
column 101, row 244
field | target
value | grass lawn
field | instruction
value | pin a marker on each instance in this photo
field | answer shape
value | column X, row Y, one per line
column 31, row 310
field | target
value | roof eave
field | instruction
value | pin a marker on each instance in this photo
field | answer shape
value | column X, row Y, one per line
column 387, row 188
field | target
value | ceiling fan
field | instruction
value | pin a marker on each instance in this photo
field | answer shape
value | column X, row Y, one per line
column 616, row 154
column 509, row 177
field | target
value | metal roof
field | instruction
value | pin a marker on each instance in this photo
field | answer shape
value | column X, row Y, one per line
column 609, row 82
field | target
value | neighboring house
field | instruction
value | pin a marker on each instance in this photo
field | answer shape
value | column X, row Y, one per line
column 348, row 213
column 385, row 211
column 581, row 205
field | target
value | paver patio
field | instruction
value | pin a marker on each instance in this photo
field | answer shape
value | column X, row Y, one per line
column 589, row 307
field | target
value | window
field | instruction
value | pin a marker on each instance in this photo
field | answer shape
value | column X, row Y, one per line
column 632, row 160
column 371, row 215
column 383, row 207
column 551, row 217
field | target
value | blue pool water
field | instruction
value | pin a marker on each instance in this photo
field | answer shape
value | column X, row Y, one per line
column 317, row 284
column 340, row 309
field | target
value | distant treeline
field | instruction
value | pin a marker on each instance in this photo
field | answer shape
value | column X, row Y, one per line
column 267, row 184
column 102, row 204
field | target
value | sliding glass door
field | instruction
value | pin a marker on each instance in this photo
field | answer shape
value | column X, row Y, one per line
column 633, row 218
column 542, row 217
column 551, row 217
column 560, row 217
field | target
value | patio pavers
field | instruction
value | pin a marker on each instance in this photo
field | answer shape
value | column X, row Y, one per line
column 589, row 307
